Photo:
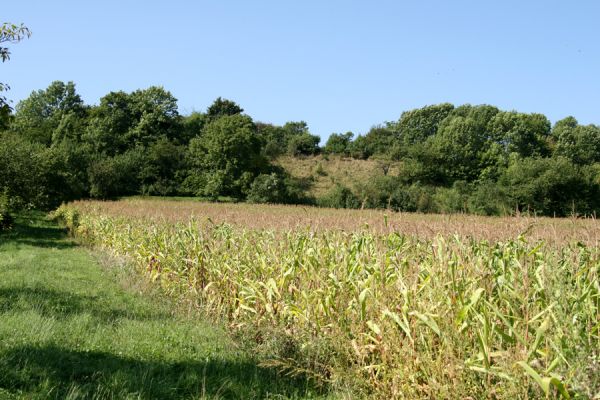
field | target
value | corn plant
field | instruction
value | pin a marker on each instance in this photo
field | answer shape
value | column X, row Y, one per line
column 387, row 314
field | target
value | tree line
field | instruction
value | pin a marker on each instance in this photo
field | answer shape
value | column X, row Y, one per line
column 479, row 159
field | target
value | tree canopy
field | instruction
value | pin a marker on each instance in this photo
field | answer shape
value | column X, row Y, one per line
column 466, row 158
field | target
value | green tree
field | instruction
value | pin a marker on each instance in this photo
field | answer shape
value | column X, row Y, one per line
column 579, row 143
column 339, row 197
column 524, row 134
column 274, row 139
column 268, row 188
column 117, row 175
column 192, row 126
column 32, row 175
column 162, row 168
column 124, row 121
column 51, row 115
column 225, row 159
column 9, row 33
column 417, row 125
column 380, row 140
column 304, row 145
column 549, row 186
column 338, row 143
column 458, row 146
column 223, row 107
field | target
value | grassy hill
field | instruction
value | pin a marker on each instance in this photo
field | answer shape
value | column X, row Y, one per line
column 321, row 173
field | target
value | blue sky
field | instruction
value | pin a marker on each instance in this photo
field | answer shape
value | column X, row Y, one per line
column 339, row 65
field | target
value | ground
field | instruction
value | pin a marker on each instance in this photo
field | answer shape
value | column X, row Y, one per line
column 71, row 327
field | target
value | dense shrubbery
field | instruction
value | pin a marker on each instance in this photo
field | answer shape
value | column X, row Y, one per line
column 475, row 159
column 6, row 219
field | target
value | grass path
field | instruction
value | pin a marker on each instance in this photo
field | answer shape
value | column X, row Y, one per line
column 70, row 328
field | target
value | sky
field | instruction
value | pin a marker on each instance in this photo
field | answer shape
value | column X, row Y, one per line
column 338, row 65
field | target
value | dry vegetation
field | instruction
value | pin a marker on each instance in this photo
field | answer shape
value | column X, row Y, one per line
column 385, row 305
column 321, row 173
column 425, row 226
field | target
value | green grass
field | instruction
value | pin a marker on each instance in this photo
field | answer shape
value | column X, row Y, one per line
column 71, row 328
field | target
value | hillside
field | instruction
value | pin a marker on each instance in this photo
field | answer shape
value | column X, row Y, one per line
column 321, row 173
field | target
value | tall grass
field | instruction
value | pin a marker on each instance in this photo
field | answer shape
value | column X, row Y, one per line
column 385, row 314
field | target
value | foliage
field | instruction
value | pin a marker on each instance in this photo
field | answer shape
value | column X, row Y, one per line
column 6, row 219
column 24, row 172
column 524, row 134
column 339, row 197
column 579, row 143
column 338, row 143
column 437, row 158
column 549, row 186
column 9, row 33
column 225, row 159
column 379, row 140
column 124, row 121
column 116, row 176
column 304, row 144
column 268, row 188
column 417, row 125
column 51, row 115
column 162, row 168
column 457, row 149
column 222, row 108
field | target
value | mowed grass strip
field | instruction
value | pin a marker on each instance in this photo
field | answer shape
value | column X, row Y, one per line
column 70, row 328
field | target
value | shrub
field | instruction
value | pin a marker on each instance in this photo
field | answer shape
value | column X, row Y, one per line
column 304, row 144
column 6, row 220
column 339, row 197
column 268, row 188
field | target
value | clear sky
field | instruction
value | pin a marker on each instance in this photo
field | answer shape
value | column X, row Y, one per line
column 339, row 65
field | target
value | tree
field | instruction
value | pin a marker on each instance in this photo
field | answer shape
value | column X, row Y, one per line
column 378, row 141
column 304, row 145
column 458, row 146
column 116, row 176
column 21, row 172
column 225, row 159
column 417, row 125
column 268, row 188
column 9, row 33
column 223, row 107
column 273, row 138
column 339, row 197
column 524, row 134
column 192, row 126
column 51, row 115
column 124, row 121
column 338, row 143
column 550, row 186
column 579, row 143
column 161, row 169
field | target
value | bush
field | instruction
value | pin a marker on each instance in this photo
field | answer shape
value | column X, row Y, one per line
column 550, row 186
column 413, row 198
column 116, row 176
column 339, row 197
column 454, row 199
column 6, row 220
column 304, row 145
column 268, row 188
column 488, row 199
column 277, row 187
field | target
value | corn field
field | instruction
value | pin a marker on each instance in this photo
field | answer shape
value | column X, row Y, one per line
column 378, row 313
